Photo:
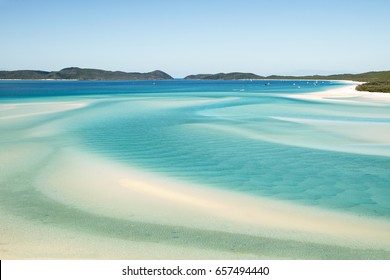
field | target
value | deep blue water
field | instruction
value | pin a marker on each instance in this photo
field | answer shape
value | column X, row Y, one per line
column 34, row 89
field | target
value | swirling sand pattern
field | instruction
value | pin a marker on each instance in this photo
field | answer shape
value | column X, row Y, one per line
column 207, row 172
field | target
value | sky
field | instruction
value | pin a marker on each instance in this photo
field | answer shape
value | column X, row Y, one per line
column 203, row 36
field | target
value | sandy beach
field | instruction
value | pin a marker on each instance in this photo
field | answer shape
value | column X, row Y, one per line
column 66, row 203
column 346, row 94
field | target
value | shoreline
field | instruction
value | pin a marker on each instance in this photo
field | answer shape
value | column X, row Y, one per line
column 346, row 94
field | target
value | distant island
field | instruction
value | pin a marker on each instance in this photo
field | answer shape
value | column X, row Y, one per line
column 225, row 76
column 373, row 81
column 75, row 73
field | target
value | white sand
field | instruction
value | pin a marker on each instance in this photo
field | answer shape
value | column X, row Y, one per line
column 22, row 239
column 23, row 110
column 346, row 94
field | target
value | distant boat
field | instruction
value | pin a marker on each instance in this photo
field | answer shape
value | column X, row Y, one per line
column 267, row 84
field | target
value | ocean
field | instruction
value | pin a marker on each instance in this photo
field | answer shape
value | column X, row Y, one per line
column 251, row 137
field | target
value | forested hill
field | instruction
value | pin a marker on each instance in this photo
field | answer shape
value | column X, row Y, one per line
column 363, row 77
column 225, row 76
column 75, row 73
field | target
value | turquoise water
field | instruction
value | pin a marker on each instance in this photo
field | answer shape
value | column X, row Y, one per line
column 235, row 135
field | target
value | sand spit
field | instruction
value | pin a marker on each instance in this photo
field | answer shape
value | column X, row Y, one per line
column 347, row 94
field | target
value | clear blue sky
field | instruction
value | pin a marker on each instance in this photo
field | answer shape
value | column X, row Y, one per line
column 204, row 36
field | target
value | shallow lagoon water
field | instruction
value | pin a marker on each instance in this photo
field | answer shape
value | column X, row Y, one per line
column 240, row 136
column 236, row 141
